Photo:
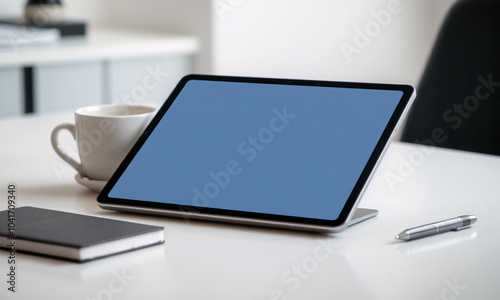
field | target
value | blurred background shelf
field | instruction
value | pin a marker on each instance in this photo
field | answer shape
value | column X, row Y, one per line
column 108, row 65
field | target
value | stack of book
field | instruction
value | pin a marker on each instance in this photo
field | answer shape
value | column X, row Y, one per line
column 15, row 32
column 18, row 36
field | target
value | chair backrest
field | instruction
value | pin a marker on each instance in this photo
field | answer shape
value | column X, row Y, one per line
column 458, row 98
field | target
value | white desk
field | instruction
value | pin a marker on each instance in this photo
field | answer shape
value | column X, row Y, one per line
column 202, row 260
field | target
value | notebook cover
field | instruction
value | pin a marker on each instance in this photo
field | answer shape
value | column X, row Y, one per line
column 69, row 229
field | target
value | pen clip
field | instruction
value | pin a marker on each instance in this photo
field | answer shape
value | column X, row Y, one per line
column 462, row 228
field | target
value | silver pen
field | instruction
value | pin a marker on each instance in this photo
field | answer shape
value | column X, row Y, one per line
column 458, row 223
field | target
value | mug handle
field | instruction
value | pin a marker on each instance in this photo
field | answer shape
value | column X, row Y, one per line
column 54, row 139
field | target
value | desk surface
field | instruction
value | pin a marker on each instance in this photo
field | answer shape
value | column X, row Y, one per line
column 201, row 260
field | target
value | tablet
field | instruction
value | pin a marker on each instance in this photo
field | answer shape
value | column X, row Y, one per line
column 294, row 154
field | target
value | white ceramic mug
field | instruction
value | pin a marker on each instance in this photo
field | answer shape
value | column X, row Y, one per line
column 104, row 135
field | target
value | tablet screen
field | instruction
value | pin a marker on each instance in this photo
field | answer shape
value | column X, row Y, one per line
column 289, row 150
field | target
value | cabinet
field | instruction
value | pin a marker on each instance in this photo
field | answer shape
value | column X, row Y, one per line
column 67, row 86
column 108, row 66
column 11, row 81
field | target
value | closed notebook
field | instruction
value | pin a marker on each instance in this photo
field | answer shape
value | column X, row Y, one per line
column 72, row 236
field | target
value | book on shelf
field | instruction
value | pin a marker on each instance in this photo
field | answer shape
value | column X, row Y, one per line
column 65, row 27
column 18, row 36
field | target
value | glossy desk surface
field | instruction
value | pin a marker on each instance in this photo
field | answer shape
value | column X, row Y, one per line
column 200, row 260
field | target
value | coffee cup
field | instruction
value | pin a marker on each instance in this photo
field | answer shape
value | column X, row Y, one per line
column 104, row 135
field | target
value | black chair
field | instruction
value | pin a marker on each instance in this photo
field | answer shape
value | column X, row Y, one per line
column 458, row 98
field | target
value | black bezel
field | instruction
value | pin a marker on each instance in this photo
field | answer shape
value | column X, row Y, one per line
column 407, row 92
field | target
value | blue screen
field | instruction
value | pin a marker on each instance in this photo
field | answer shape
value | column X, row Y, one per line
column 288, row 150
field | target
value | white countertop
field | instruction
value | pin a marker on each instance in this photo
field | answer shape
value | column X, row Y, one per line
column 101, row 44
column 203, row 260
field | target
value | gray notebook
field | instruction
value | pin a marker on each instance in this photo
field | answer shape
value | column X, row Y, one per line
column 72, row 236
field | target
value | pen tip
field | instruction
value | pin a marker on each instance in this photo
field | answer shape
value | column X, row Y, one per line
column 405, row 236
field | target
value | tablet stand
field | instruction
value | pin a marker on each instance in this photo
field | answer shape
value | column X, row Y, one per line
column 362, row 214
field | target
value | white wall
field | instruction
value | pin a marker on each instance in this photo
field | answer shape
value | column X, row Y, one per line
column 96, row 12
column 284, row 38
column 174, row 16
column 304, row 39
column 10, row 7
